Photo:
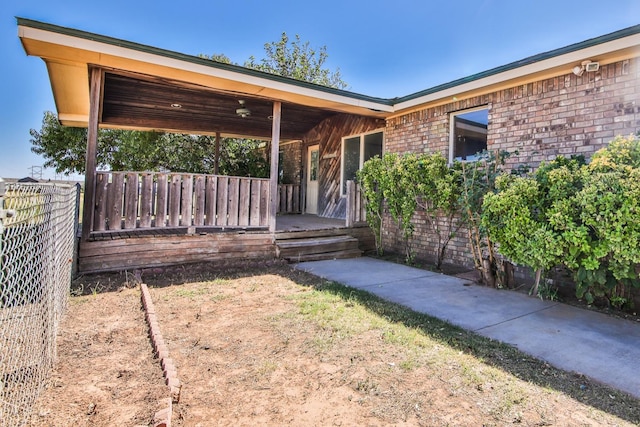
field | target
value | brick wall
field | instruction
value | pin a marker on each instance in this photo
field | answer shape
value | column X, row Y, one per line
column 559, row 116
column 424, row 243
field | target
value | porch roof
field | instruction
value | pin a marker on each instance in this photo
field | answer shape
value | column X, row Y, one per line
column 150, row 88
column 143, row 85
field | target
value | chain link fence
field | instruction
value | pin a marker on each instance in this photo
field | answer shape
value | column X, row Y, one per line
column 37, row 239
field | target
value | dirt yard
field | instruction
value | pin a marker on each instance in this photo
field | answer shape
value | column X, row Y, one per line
column 274, row 347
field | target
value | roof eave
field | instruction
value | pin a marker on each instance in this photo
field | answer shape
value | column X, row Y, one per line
column 104, row 51
column 94, row 49
column 610, row 48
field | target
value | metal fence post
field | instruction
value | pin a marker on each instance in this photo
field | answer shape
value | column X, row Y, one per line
column 3, row 190
column 76, row 232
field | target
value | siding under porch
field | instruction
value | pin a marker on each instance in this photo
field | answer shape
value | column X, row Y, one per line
column 137, row 250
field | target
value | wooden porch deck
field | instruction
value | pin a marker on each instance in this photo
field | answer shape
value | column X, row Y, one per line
column 141, row 248
column 306, row 222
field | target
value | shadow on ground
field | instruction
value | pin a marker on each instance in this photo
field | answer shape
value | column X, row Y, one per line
column 492, row 352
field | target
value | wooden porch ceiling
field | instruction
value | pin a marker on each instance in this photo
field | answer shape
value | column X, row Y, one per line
column 145, row 102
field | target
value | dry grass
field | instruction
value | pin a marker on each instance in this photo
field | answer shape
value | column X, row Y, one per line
column 268, row 345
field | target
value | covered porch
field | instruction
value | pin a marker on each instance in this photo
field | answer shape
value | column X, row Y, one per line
column 141, row 219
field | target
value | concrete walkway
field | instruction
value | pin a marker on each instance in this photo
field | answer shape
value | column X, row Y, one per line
column 604, row 348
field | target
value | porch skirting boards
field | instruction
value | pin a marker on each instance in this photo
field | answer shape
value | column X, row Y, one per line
column 133, row 250
column 161, row 250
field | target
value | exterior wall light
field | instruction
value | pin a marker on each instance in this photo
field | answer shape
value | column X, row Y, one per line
column 588, row 66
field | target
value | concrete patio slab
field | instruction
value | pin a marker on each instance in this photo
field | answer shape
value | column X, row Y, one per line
column 573, row 339
column 363, row 271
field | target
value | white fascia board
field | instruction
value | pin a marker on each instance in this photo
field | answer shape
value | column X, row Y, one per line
column 571, row 59
column 140, row 56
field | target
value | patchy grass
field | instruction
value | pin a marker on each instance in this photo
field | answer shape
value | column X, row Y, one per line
column 274, row 346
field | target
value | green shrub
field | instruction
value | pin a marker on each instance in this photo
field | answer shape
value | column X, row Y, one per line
column 389, row 180
column 515, row 217
column 584, row 217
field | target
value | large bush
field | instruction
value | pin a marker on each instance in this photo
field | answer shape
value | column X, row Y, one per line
column 582, row 216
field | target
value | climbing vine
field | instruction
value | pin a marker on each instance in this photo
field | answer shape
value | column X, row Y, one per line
column 437, row 193
column 408, row 183
column 371, row 180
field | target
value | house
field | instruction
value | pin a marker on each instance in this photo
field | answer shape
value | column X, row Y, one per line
column 28, row 179
column 571, row 100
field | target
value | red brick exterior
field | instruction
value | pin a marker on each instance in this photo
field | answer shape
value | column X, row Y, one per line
column 559, row 116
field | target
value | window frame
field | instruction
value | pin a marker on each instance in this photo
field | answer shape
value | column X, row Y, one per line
column 452, row 130
column 360, row 153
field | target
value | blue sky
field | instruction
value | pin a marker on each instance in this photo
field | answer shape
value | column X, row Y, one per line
column 382, row 48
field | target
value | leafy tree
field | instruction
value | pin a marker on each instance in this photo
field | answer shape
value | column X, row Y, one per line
column 243, row 157
column 217, row 57
column 64, row 148
column 297, row 60
column 130, row 150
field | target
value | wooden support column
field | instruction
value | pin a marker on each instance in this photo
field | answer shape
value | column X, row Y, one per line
column 273, row 177
column 216, row 160
column 95, row 84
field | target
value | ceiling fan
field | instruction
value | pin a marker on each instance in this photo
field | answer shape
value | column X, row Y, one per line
column 243, row 111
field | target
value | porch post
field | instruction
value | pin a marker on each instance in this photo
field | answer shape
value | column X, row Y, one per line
column 95, row 83
column 273, row 178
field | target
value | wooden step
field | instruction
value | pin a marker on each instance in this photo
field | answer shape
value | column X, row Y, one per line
column 351, row 253
column 314, row 248
column 307, row 234
column 295, row 247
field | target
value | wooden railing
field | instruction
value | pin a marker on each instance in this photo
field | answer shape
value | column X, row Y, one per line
column 131, row 200
column 289, row 198
column 356, row 212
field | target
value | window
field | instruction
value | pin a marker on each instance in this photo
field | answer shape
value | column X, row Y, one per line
column 355, row 151
column 313, row 166
column 468, row 134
